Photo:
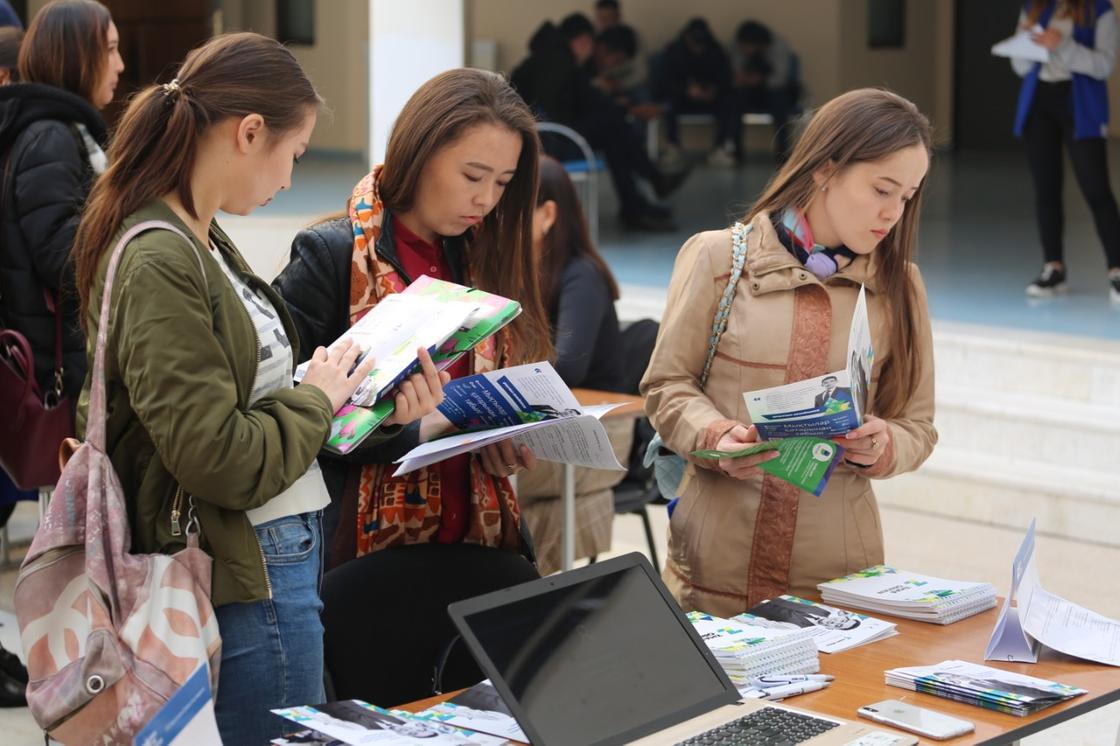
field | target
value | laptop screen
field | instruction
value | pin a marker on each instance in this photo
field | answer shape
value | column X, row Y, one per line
column 599, row 655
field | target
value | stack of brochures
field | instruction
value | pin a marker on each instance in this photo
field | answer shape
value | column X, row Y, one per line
column 833, row 630
column 908, row 594
column 746, row 651
column 983, row 686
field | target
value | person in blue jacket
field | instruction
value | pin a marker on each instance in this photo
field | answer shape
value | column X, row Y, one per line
column 1065, row 101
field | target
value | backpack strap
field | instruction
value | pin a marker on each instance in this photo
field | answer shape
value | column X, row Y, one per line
column 739, row 233
column 95, row 428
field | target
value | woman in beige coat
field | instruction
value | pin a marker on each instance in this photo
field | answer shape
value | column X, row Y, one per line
column 843, row 211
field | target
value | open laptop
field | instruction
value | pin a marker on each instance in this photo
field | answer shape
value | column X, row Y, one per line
column 604, row 655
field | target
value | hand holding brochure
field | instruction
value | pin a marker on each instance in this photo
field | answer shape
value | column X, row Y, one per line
column 446, row 319
column 825, row 406
column 803, row 462
column 527, row 403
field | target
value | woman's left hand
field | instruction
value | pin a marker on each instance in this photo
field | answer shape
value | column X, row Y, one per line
column 506, row 458
column 1050, row 38
column 867, row 443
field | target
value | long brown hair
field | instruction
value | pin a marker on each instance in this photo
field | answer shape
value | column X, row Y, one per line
column 67, row 46
column 1083, row 12
column 568, row 237
column 155, row 145
column 439, row 113
column 860, row 126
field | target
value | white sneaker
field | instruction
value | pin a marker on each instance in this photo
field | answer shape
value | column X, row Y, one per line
column 1114, row 288
column 722, row 158
column 672, row 159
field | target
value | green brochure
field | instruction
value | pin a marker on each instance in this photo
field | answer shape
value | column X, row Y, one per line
column 803, row 462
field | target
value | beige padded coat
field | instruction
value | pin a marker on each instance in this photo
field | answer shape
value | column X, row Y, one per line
column 734, row 542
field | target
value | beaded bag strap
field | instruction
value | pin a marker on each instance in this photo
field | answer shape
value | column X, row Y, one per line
column 739, row 234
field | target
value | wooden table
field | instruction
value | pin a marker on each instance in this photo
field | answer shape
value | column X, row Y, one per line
column 632, row 408
column 859, row 680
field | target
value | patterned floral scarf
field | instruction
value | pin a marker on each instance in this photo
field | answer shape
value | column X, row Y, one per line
column 406, row 510
column 795, row 234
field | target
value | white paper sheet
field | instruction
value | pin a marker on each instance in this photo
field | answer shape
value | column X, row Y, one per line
column 1022, row 47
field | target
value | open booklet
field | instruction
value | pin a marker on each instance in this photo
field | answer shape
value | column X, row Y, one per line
column 356, row 722
column 834, row 630
column 824, row 406
column 479, row 709
column 446, row 319
column 528, row 403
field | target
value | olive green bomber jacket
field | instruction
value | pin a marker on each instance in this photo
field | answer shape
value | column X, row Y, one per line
column 180, row 365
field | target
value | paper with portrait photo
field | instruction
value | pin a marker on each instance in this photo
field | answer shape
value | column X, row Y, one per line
column 357, row 723
column 834, row 630
column 824, row 406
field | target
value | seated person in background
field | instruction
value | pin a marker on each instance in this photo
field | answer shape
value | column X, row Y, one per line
column 579, row 293
column 614, row 67
column 608, row 13
column 766, row 80
column 697, row 78
column 553, row 80
column 10, row 38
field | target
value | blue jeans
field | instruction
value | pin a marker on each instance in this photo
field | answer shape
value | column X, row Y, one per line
column 272, row 651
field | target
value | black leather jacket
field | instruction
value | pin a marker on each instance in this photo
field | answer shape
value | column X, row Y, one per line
column 316, row 288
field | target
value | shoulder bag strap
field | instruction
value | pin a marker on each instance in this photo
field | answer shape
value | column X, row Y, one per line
column 95, row 430
column 739, row 234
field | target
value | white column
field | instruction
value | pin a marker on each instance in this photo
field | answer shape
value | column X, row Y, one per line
column 409, row 43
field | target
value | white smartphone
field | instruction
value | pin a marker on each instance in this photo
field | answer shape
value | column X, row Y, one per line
column 916, row 719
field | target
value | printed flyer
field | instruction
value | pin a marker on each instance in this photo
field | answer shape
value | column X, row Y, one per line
column 804, row 462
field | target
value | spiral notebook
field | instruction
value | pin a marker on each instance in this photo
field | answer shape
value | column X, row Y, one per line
column 911, row 595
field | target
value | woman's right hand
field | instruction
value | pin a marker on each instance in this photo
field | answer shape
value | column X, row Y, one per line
column 736, row 439
column 420, row 394
column 329, row 371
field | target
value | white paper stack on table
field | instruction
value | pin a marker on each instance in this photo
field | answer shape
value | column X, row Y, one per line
column 983, row 686
column 909, row 594
column 745, row 651
column 833, row 630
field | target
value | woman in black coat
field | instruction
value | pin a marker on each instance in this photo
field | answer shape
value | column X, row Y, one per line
column 51, row 140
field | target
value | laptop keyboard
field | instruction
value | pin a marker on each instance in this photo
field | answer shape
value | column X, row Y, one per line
column 769, row 726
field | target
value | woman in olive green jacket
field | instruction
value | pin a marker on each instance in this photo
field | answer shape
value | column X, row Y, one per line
column 205, row 428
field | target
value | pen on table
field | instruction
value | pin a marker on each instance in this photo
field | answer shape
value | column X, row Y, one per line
column 792, row 690
column 765, row 682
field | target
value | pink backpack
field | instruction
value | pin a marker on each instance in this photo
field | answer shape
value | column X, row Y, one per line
column 108, row 635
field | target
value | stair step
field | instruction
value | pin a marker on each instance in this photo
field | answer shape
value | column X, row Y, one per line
column 1004, row 426
column 1069, row 502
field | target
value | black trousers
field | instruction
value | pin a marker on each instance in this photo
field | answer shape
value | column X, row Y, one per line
column 1049, row 126
column 608, row 131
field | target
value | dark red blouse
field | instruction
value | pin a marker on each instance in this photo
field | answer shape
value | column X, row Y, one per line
column 418, row 257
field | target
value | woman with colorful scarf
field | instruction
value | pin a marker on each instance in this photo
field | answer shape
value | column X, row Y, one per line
column 841, row 213
column 454, row 200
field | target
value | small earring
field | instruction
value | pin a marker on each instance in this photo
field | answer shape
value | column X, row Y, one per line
column 824, row 187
